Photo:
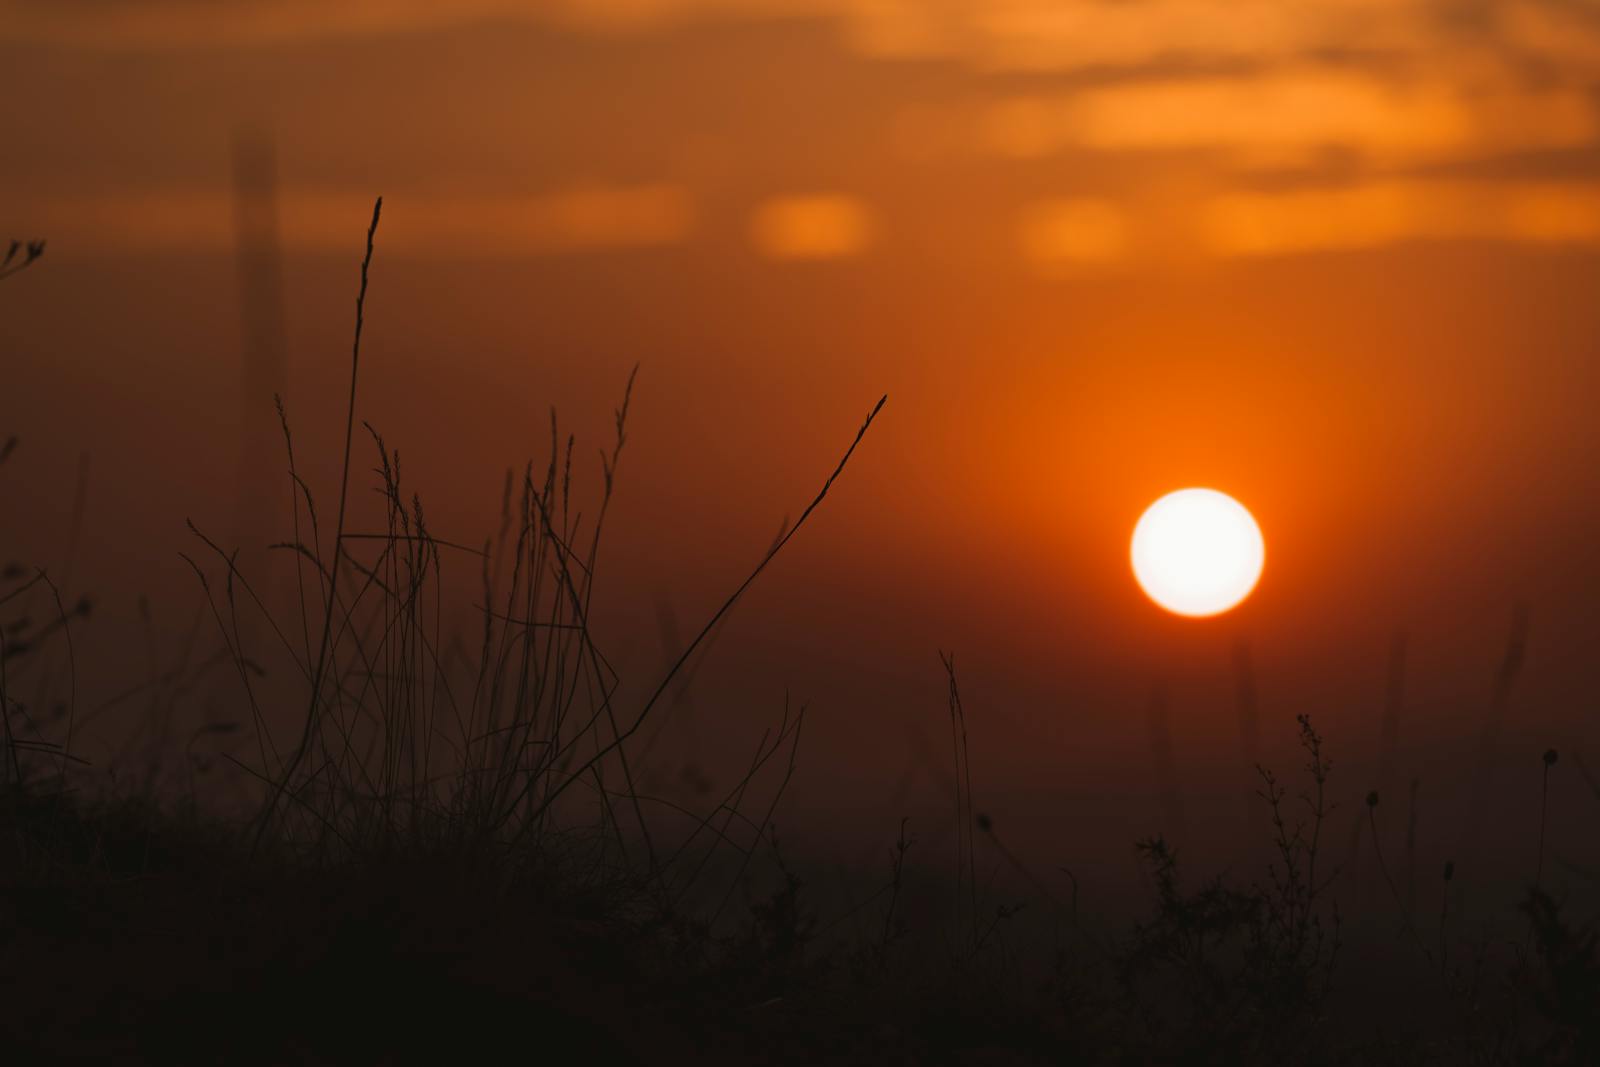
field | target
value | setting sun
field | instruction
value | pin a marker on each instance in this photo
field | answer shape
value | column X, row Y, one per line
column 1197, row 552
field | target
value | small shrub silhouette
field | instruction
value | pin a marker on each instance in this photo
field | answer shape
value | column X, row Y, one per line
column 1243, row 972
column 1565, row 988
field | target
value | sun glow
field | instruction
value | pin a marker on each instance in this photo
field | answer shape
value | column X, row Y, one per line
column 1197, row 552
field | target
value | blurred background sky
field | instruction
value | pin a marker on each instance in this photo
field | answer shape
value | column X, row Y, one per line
column 1337, row 258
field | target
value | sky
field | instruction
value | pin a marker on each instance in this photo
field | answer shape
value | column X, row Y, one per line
column 1335, row 257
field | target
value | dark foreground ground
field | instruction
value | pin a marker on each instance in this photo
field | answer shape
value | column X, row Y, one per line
column 132, row 936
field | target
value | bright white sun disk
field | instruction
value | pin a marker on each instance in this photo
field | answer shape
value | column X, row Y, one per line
column 1197, row 552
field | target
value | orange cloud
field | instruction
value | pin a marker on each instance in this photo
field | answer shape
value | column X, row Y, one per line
column 1058, row 235
column 1566, row 34
column 161, row 23
column 828, row 226
column 1041, row 35
column 1388, row 212
column 1288, row 115
column 988, row 34
column 577, row 219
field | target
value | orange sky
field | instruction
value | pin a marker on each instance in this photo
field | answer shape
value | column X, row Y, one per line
column 1335, row 257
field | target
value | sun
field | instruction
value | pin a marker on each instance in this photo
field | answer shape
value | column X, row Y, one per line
column 1197, row 552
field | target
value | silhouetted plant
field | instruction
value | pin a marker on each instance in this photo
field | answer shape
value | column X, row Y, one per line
column 772, row 949
column 1242, row 972
column 18, row 635
column 34, row 620
column 20, row 255
column 1566, row 987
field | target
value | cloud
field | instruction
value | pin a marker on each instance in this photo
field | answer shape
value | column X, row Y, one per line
column 1391, row 80
column 1292, row 114
column 1042, row 35
column 824, row 226
column 1374, row 214
column 201, row 23
column 1058, row 235
column 570, row 220
column 1564, row 33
